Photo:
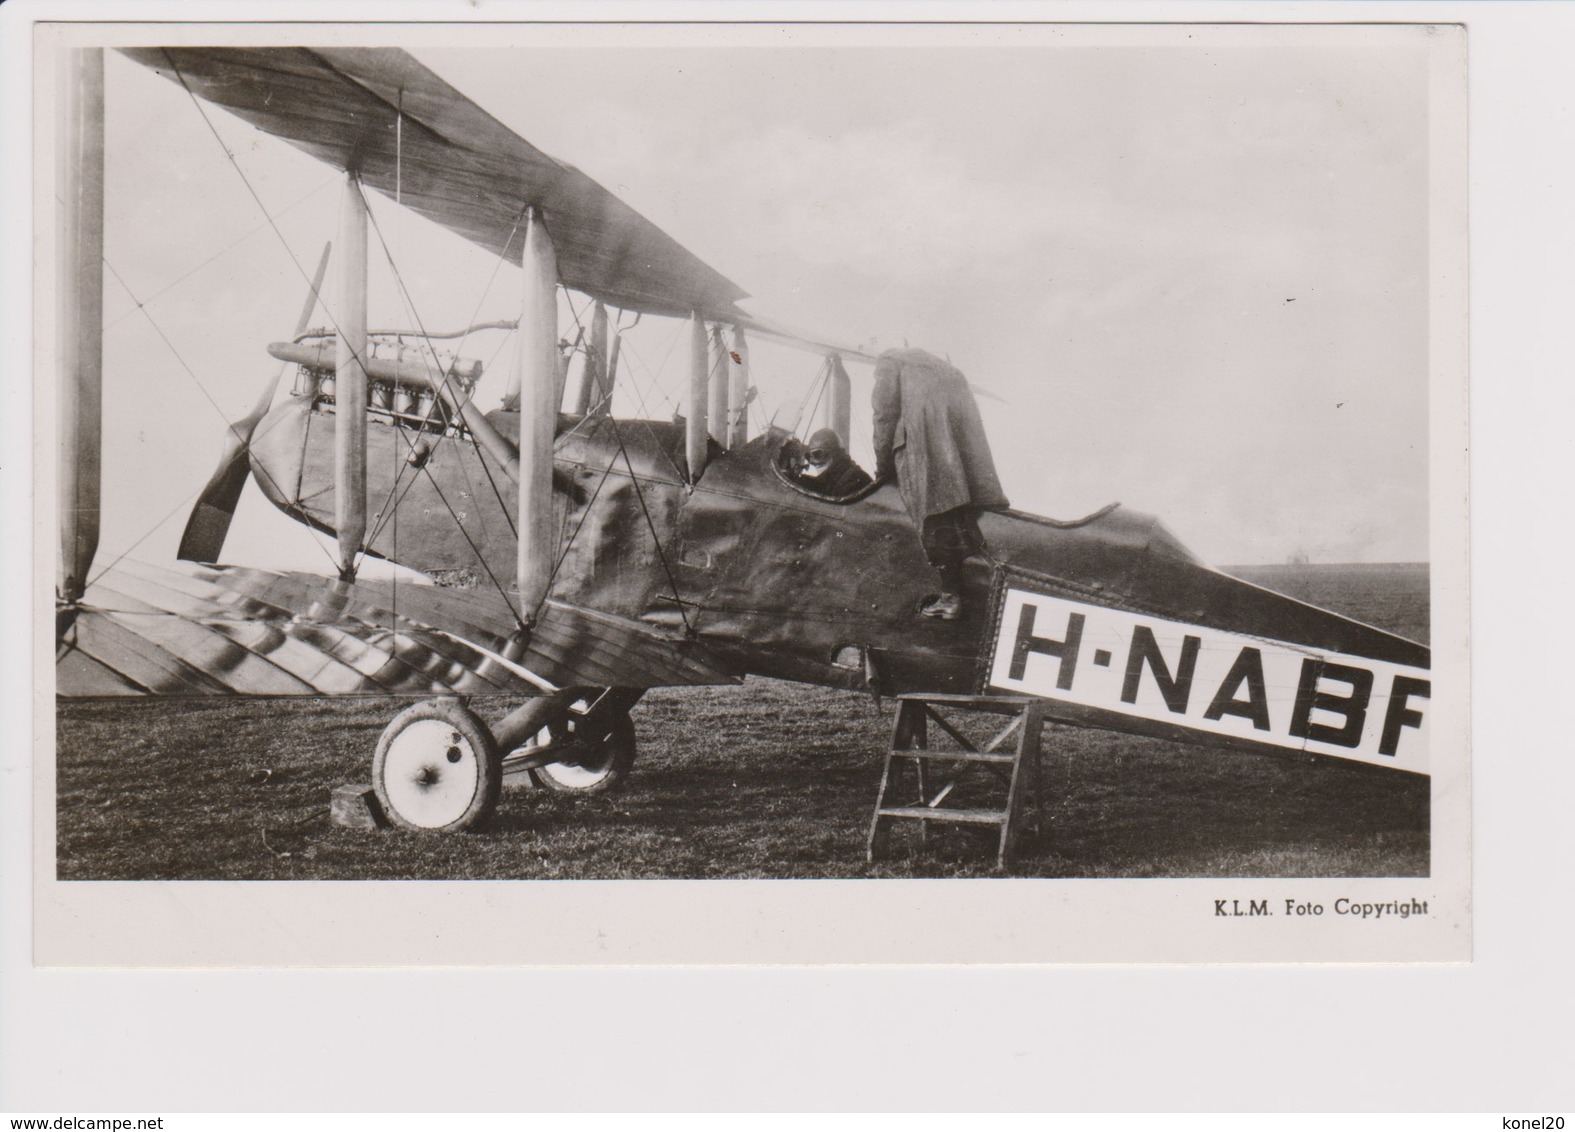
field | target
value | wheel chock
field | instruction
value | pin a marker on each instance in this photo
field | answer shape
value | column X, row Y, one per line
column 355, row 806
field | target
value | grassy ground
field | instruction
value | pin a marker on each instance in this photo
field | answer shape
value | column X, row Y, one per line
column 764, row 780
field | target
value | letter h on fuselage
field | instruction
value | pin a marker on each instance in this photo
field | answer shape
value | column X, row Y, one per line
column 1063, row 650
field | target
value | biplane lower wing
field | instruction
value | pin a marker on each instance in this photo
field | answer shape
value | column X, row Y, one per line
column 143, row 630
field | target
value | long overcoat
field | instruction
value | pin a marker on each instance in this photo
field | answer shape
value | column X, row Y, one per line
column 928, row 432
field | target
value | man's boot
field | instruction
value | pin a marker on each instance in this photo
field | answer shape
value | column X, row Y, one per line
column 942, row 607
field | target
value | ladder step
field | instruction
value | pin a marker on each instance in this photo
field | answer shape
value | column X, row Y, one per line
column 955, row 756
column 965, row 699
column 916, row 713
column 924, row 813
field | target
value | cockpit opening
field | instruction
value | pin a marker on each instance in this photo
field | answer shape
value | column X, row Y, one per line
column 821, row 468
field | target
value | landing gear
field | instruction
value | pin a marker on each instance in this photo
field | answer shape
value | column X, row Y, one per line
column 595, row 767
column 439, row 767
column 578, row 741
column 436, row 768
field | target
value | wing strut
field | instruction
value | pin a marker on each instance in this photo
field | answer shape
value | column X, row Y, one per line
column 738, row 391
column 716, row 415
column 592, row 394
column 697, row 434
column 612, row 374
column 841, row 400
column 350, row 382
column 79, row 156
column 540, row 397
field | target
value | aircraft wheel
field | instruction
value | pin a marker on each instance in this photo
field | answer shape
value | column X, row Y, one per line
column 600, row 771
column 436, row 768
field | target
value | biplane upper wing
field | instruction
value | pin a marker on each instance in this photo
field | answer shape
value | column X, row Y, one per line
column 405, row 131
column 144, row 630
column 775, row 332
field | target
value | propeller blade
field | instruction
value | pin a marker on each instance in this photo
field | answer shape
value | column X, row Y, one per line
column 209, row 523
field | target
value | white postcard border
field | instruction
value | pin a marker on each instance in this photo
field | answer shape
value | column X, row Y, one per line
column 881, row 922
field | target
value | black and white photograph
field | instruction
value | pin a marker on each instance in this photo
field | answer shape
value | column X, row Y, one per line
column 1026, row 463
column 749, row 557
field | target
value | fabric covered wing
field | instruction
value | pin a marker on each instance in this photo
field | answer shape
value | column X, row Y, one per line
column 145, row 630
column 453, row 162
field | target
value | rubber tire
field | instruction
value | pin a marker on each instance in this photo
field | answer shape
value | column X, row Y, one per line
column 489, row 783
column 618, row 751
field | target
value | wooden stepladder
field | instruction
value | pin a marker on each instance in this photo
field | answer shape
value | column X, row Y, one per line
column 919, row 777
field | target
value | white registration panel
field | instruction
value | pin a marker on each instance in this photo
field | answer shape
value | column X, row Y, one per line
column 1211, row 681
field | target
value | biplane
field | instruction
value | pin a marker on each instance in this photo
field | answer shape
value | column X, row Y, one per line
column 578, row 558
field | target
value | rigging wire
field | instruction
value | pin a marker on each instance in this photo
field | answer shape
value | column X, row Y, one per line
column 235, row 164
column 427, row 418
column 568, row 544
column 409, row 303
column 480, row 302
column 271, row 223
column 192, row 374
column 261, row 432
column 496, row 267
column 392, row 505
column 425, row 466
column 497, row 585
column 654, row 386
column 761, row 424
column 656, row 540
column 507, row 516
column 646, row 424
column 668, row 452
column 645, row 511
column 580, row 333
column 327, row 310
column 237, row 242
column 818, row 387
column 177, row 509
column 195, row 101
column 592, row 412
column 437, row 365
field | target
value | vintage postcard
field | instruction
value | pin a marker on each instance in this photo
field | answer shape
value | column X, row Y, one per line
column 744, row 493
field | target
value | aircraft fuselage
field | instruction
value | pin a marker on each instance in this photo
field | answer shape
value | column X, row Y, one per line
column 788, row 585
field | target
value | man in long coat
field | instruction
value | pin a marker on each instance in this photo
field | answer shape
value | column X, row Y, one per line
column 930, row 440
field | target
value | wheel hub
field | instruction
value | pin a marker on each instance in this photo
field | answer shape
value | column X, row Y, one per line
column 432, row 774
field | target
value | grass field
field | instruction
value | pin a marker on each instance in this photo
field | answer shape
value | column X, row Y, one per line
column 763, row 780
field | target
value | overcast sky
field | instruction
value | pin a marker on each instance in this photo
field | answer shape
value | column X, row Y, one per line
column 1194, row 274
